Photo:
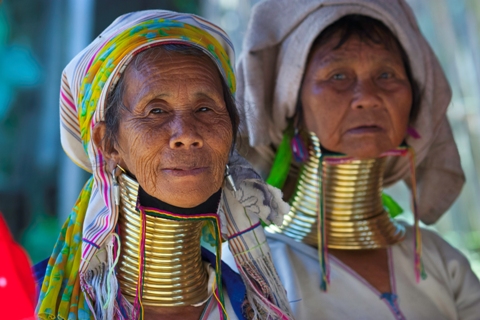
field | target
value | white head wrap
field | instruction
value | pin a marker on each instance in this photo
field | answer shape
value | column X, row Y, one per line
column 270, row 70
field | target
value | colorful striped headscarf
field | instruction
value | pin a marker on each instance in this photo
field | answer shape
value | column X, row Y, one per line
column 87, row 80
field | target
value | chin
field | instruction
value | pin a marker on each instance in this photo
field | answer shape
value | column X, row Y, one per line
column 187, row 195
column 187, row 202
column 366, row 156
column 365, row 148
column 183, row 200
column 366, row 152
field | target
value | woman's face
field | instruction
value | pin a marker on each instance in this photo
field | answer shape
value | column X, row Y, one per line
column 176, row 136
column 356, row 98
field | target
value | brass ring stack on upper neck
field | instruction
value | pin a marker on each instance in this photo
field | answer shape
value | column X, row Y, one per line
column 351, row 198
column 173, row 271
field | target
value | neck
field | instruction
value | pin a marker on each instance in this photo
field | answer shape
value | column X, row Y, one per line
column 350, row 197
column 172, row 268
column 209, row 206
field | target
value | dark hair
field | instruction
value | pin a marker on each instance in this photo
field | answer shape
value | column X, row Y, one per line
column 114, row 103
column 374, row 31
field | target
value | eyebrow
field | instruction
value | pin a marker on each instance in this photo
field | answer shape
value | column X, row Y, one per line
column 331, row 58
column 338, row 58
column 207, row 95
column 201, row 93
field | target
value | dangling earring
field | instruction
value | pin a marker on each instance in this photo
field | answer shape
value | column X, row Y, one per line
column 116, row 188
column 292, row 145
column 413, row 133
column 229, row 178
column 299, row 149
column 419, row 269
column 297, row 144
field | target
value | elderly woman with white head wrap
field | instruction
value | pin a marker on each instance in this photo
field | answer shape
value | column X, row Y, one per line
column 341, row 98
column 148, row 109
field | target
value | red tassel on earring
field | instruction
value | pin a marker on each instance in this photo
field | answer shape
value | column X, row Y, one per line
column 138, row 312
column 322, row 236
column 419, row 269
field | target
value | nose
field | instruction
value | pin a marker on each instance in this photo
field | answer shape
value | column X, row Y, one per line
column 185, row 133
column 366, row 94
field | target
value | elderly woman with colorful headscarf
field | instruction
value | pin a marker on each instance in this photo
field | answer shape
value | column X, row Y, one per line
column 341, row 98
column 148, row 109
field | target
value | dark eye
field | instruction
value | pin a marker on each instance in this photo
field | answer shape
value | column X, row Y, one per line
column 157, row 111
column 203, row 109
column 339, row 76
column 386, row 75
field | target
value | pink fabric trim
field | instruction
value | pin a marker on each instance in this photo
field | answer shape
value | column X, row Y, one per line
column 67, row 100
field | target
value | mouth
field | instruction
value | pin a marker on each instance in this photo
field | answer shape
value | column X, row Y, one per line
column 182, row 171
column 368, row 129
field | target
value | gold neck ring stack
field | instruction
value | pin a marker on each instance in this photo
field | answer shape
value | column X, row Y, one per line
column 173, row 271
column 351, row 197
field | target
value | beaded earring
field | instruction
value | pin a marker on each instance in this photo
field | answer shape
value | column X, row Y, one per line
column 292, row 145
column 116, row 188
column 300, row 153
column 229, row 178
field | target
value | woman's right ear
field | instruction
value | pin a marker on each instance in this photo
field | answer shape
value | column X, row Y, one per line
column 101, row 141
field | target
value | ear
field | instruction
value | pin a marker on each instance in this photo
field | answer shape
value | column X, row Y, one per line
column 108, row 148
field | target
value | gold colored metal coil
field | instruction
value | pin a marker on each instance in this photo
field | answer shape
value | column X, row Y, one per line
column 354, row 214
column 174, row 274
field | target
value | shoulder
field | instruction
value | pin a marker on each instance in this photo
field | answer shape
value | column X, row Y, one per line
column 433, row 245
column 442, row 261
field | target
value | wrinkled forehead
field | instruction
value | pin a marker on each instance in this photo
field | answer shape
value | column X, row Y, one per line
column 165, row 71
column 370, row 26
column 360, row 29
column 158, row 58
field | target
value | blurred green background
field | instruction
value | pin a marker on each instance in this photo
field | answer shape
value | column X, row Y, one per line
column 39, row 184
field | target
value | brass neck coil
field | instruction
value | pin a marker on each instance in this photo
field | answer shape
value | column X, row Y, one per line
column 354, row 213
column 174, row 273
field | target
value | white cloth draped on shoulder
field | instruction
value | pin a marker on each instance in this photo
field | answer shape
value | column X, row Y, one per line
column 451, row 290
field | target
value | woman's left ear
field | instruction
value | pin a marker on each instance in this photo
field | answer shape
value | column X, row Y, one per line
column 109, row 152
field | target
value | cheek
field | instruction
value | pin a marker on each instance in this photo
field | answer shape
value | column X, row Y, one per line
column 321, row 112
column 401, row 108
column 222, row 130
column 140, row 148
column 219, row 137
